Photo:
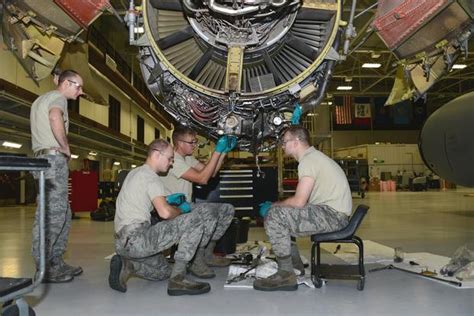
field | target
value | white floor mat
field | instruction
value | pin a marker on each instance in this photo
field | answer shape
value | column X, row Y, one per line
column 378, row 253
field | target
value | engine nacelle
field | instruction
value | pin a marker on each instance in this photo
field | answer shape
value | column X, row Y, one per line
column 447, row 143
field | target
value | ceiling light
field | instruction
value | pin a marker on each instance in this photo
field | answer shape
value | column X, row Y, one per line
column 117, row 163
column 344, row 88
column 11, row 144
column 134, row 165
column 347, row 79
column 459, row 66
column 371, row 65
column 330, row 103
column 74, row 156
column 92, row 153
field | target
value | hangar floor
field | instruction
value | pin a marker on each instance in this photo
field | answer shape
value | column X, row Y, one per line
column 436, row 222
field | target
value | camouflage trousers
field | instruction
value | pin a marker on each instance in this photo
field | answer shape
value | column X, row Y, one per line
column 57, row 211
column 143, row 244
column 282, row 222
column 223, row 213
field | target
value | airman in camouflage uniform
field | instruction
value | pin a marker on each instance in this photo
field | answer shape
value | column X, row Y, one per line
column 322, row 203
column 139, row 245
column 49, row 128
column 187, row 170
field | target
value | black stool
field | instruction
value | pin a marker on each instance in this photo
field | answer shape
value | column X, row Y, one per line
column 346, row 235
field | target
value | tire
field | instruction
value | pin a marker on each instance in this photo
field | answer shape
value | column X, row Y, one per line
column 13, row 311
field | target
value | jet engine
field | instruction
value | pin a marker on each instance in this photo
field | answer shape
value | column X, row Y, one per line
column 237, row 66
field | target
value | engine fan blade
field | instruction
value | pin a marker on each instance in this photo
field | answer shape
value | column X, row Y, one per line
column 170, row 5
column 200, row 64
column 314, row 15
column 176, row 38
column 301, row 47
column 269, row 63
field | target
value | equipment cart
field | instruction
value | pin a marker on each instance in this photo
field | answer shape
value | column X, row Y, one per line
column 13, row 289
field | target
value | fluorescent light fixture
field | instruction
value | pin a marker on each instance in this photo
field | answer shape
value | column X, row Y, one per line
column 11, row 144
column 311, row 114
column 134, row 165
column 459, row 66
column 117, row 163
column 371, row 65
column 344, row 88
column 330, row 103
column 92, row 153
column 74, row 156
column 347, row 79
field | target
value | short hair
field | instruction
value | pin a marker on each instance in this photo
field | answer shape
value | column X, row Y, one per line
column 67, row 74
column 182, row 130
column 299, row 132
column 157, row 144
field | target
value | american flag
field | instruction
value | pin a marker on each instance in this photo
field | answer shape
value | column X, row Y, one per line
column 344, row 110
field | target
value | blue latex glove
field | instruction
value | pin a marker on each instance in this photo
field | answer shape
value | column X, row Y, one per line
column 295, row 118
column 176, row 199
column 264, row 207
column 185, row 207
column 231, row 143
column 222, row 144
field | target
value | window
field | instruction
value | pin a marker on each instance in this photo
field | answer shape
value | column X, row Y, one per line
column 114, row 114
column 140, row 129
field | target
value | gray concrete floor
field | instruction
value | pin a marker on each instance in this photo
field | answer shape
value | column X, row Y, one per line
column 437, row 222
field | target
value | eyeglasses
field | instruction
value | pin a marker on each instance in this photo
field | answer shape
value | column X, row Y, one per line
column 194, row 142
column 78, row 86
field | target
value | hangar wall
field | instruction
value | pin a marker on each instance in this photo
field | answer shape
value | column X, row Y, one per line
column 354, row 138
column 13, row 72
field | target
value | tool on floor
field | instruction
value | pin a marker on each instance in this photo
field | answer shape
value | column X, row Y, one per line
column 426, row 274
column 255, row 263
column 338, row 247
column 245, row 258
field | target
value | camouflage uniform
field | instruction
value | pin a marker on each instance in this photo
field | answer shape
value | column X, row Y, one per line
column 58, row 212
column 174, row 182
column 143, row 244
column 223, row 213
column 282, row 222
